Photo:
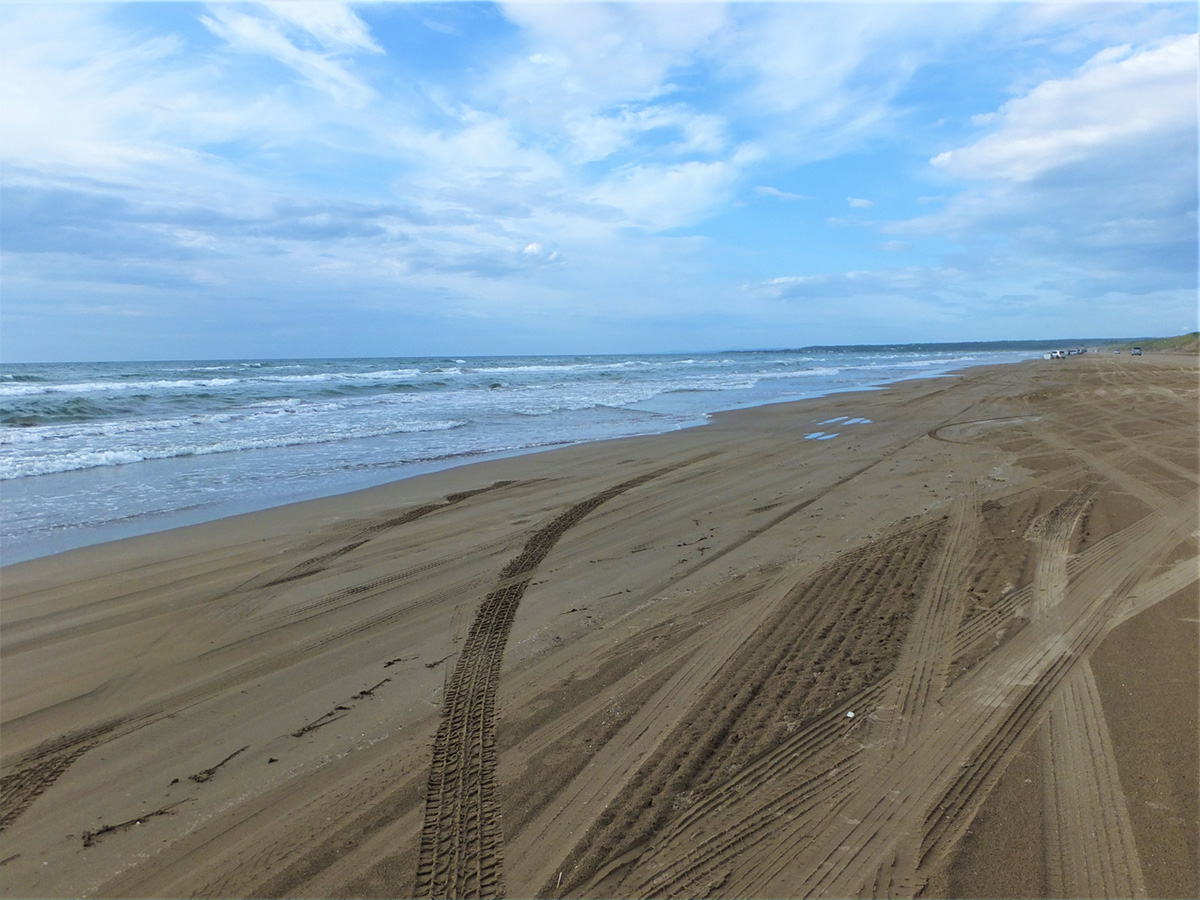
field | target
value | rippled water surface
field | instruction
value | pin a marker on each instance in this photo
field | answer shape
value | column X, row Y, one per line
column 93, row 451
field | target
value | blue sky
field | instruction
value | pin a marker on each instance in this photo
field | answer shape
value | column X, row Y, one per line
column 222, row 180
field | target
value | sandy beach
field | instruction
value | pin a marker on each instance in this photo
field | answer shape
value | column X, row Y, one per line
column 936, row 640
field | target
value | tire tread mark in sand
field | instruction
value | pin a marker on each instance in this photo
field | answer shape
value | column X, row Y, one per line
column 316, row 564
column 1086, row 817
column 794, row 779
column 832, row 617
column 961, row 801
column 908, row 788
column 951, row 759
column 1033, row 600
column 1158, row 589
column 363, row 591
column 1157, row 499
column 1089, row 835
column 1101, row 564
column 36, row 773
column 921, row 672
column 461, row 840
column 363, row 534
column 1050, row 533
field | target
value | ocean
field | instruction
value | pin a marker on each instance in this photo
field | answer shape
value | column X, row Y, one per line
column 91, row 452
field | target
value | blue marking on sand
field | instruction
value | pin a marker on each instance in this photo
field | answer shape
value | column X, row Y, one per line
column 819, row 436
column 826, row 437
column 845, row 420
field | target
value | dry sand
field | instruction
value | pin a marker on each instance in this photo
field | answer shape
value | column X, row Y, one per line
column 629, row 668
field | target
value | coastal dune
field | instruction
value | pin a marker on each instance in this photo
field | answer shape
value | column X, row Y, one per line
column 936, row 640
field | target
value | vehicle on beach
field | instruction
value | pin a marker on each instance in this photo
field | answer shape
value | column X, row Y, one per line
column 1136, row 351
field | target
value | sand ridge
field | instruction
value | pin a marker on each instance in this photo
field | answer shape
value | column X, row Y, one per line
column 727, row 661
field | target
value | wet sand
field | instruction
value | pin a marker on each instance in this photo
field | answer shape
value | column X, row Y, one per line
column 950, row 651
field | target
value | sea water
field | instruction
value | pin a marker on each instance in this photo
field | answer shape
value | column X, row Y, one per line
column 96, row 451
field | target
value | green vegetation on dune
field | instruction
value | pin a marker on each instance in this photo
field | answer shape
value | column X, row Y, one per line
column 1184, row 343
column 1188, row 343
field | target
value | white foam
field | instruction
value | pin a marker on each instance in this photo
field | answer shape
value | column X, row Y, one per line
column 69, row 459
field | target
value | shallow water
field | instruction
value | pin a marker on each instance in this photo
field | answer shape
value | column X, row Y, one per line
column 95, row 451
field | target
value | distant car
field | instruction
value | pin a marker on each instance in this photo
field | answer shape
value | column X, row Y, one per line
column 1136, row 351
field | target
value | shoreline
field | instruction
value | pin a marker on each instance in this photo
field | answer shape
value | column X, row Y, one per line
column 972, row 566
column 155, row 523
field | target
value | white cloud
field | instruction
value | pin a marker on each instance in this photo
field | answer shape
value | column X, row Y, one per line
column 764, row 190
column 659, row 197
column 253, row 34
column 584, row 59
column 1087, row 185
column 821, row 78
column 83, row 96
column 68, row 88
column 859, row 203
column 478, row 143
column 1116, row 98
column 910, row 280
column 680, row 132
column 334, row 25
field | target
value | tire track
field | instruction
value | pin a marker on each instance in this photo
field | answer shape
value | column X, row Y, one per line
column 922, row 672
column 249, row 596
column 1155, row 497
column 1051, row 536
column 1090, row 849
column 983, row 715
column 806, row 778
column 863, row 839
column 461, row 840
column 36, row 774
column 1170, row 417
column 923, row 667
column 825, row 625
column 1157, row 589
column 575, row 807
column 1102, row 573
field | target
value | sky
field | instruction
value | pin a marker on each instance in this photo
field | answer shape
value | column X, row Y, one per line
column 230, row 181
